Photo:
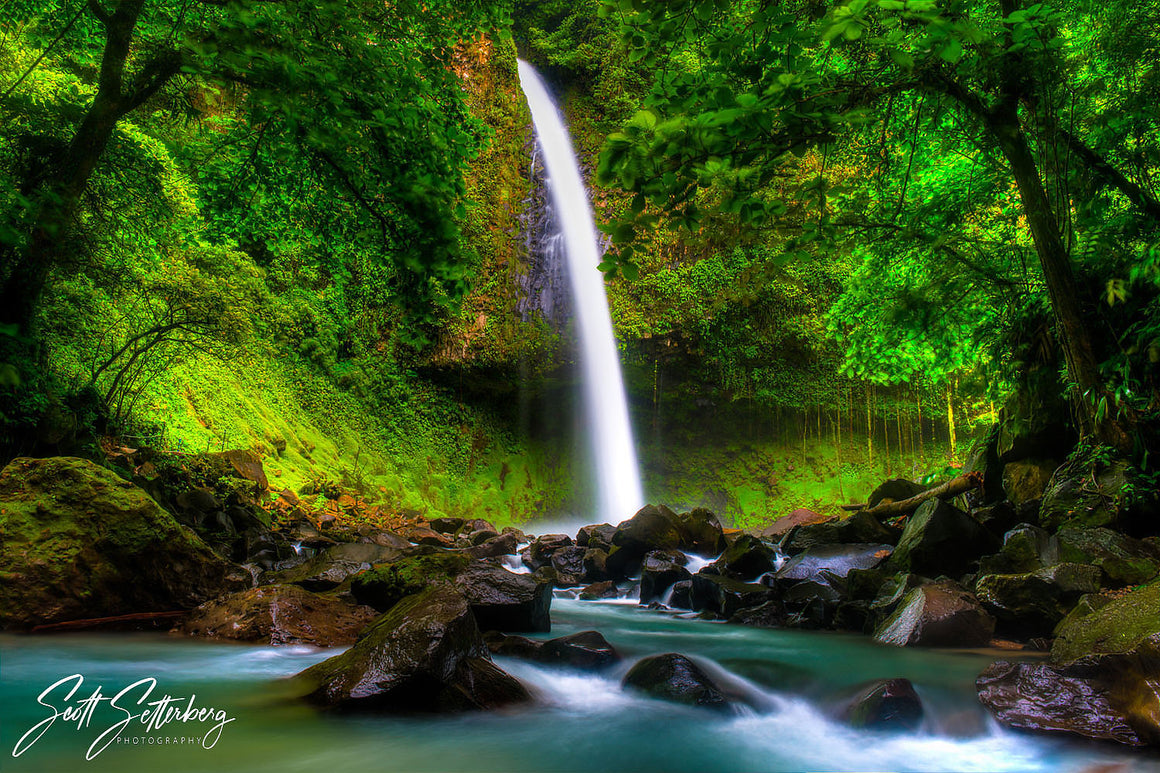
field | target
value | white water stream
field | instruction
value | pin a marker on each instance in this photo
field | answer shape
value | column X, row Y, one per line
column 613, row 452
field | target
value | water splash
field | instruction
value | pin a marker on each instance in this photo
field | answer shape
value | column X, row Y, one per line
column 613, row 452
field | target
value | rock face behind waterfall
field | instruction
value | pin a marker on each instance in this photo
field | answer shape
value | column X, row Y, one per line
column 426, row 654
column 76, row 541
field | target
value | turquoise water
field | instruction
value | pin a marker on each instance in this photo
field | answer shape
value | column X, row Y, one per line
column 581, row 722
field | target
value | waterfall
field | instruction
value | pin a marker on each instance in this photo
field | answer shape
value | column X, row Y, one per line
column 613, row 453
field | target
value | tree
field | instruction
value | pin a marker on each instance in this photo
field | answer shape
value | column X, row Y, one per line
column 362, row 91
column 744, row 86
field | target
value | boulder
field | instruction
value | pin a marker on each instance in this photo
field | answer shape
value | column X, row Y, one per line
column 701, row 533
column 569, row 565
column 597, row 536
column 836, row 559
column 331, row 567
column 426, row 654
column 1025, row 480
column 1001, row 517
column 723, row 595
column 595, row 565
column 605, row 589
column 1033, row 603
column 673, row 677
column 494, row 547
column 937, row 615
column 1100, row 683
column 78, row 542
column 422, row 535
column 884, row 704
column 385, row 585
column 1087, row 494
column 279, row 614
column 983, row 458
column 800, row 517
column 586, row 650
column 654, row 527
column 769, row 614
column 660, row 570
column 680, row 597
column 1034, row 422
column 746, row 559
column 504, row 601
column 861, row 527
column 445, row 524
column 539, row 552
column 941, row 539
column 1122, row 559
column 1026, row 548
column 895, row 490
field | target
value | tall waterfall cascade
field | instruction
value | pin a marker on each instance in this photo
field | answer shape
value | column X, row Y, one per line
column 613, row 453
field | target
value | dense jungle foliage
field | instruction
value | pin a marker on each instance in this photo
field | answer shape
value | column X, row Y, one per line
column 842, row 236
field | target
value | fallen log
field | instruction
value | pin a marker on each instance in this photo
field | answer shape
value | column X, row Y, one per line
column 952, row 488
column 100, row 622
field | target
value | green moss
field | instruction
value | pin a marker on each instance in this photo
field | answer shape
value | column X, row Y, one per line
column 384, row 586
column 1117, row 627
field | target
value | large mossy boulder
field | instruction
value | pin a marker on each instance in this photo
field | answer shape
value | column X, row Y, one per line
column 1026, row 548
column 1091, row 491
column 426, row 654
column 939, row 614
column 1025, row 480
column 1033, row 603
column 940, row 539
column 1100, row 683
column 279, row 614
column 385, row 585
column 1122, row 559
column 673, row 677
column 78, row 542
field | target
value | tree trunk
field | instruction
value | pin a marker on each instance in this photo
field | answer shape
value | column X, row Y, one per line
column 1074, row 335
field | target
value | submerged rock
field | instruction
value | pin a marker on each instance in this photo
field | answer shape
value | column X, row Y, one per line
column 673, row 677
column 426, row 654
column 279, row 614
column 885, row 704
column 937, row 615
column 586, row 649
column 78, row 542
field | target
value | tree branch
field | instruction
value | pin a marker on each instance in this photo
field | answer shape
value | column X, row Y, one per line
column 1142, row 199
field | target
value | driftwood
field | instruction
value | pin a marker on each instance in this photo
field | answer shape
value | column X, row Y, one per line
column 952, row 488
column 98, row 622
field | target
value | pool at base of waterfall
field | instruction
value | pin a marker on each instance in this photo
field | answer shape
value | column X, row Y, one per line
column 790, row 682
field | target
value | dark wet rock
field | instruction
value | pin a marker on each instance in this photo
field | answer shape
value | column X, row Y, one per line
column 673, row 677
column 1034, row 423
column 1122, row 559
column 895, row 490
column 660, row 570
column 279, row 614
column 78, row 542
column 884, row 704
column 385, row 585
column 855, row 615
column 245, row 463
column 422, row 535
column 746, row 559
column 569, row 565
column 1025, row 480
column 654, row 527
column 811, row 604
column 598, row 536
column 483, row 535
column 770, row 614
column 724, row 595
column 701, row 532
column 838, row 559
column 500, row 545
column 539, row 552
column 1101, row 680
column 1088, row 494
column 1031, row 604
column 937, row 615
column 426, row 654
column 446, row 524
column 474, row 525
column 1026, row 548
column 864, row 584
column 504, row 601
column 331, row 567
column 605, row 589
column 800, row 517
column 384, row 538
column 595, row 565
column 941, row 539
column 586, row 649
column 893, row 590
column 681, row 596
column 861, row 527
column 519, row 535
column 1001, row 517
